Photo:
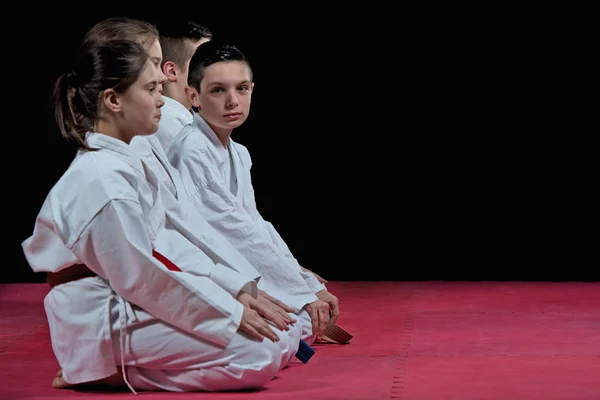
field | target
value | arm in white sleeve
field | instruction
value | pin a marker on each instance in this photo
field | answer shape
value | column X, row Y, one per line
column 211, row 197
column 312, row 282
column 116, row 246
column 188, row 231
column 308, row 277
column 191, row 259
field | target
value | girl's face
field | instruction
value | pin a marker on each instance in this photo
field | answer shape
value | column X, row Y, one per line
column 155, row 53
column 140, row 105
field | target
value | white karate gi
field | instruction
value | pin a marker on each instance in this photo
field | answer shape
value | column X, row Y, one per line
column 173, row 331
column 226, row 199
column 193, row 225
column 174, row 116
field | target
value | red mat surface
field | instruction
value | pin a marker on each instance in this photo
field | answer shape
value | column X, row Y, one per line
column 413, row 340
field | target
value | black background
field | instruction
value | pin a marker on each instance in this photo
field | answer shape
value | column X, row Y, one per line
column 387, row 144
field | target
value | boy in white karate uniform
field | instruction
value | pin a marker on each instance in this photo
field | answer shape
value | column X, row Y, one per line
column 180, row 41
column 216, row 174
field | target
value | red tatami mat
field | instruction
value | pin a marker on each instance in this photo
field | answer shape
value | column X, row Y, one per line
column 412, row 340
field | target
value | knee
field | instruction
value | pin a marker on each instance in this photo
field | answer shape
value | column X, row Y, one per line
column 267, row 361
column 305, row 324
column 296, row 331
column 289, row 341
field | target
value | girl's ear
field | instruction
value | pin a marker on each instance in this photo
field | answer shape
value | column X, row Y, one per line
column 111, row 101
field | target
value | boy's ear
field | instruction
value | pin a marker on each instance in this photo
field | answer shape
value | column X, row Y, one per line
column 193, row 96
column 170, row 70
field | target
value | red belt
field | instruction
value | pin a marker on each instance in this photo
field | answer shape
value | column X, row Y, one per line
column 72, row 273
column 80, row 271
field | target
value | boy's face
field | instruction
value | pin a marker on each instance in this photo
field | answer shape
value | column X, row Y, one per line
column 225, row 94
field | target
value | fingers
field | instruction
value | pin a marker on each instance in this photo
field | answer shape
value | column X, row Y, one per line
column 319, row 315
column 266, row 310
column 285, row 316
column 282, row 312
column 255, row 326
column 276, row 318
column 318, row 323
column 334, row 307
column 263, row 328
column 314, row 319
column 281, row 304
column 277, row 306
column 250, row 330
column 323, row 319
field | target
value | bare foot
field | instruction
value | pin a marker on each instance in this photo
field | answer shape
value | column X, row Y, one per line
column 113, row 381
column 58, row 382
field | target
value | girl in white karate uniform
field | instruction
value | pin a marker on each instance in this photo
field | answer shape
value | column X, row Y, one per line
column 116, row 301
